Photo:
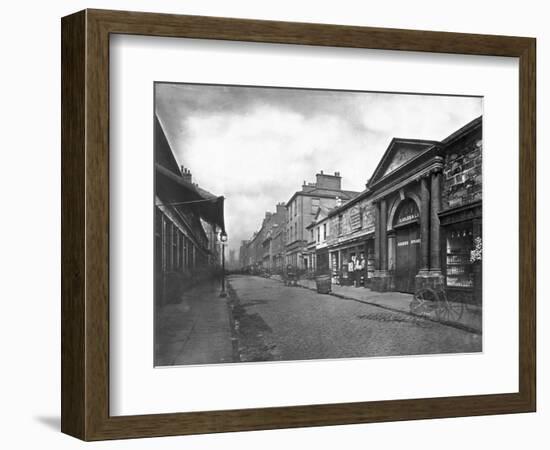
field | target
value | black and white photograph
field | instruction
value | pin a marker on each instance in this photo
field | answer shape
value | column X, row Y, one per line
column 295, row 224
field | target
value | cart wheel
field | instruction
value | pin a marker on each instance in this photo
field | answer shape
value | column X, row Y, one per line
column 424, row 301
column 449, row 311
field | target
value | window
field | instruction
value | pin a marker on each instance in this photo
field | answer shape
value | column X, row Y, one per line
column 340, row 220
column 459, row 247
column 318, row 234
column 295, row 209
column 174, row 248
column 324, row 232
column 185, row 252
column 168, row 246
column 158, row 240
column 180, row 251
column 356, row 218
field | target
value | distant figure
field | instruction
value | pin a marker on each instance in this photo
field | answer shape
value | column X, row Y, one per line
column 359, row 269
column 351, row 270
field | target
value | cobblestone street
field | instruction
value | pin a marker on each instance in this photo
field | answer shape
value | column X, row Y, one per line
column 277, row 322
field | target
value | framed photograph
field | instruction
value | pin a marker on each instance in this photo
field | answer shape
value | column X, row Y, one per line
column 273, row 225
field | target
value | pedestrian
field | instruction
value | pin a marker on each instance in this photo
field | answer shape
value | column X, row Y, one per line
column 359, row 269
column 351, row 270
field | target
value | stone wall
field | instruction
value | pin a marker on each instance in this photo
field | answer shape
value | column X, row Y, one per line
column 462, row 180
column 357, row 218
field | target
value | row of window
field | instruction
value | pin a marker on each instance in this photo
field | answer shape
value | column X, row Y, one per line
column 356, row 219
column 316, row 233
column 315, row 205
column 173, row 250
column 293, row 210
column 292, row 233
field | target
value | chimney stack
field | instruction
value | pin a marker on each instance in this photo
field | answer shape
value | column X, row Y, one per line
column 281, row 209
column 326, row 181
column 186, row 175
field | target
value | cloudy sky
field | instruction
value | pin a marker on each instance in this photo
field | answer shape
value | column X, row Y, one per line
column 256, row 146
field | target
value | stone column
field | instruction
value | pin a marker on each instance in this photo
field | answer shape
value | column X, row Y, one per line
column 424, row 224
column 340, row 263
column 391, row 250
column 383, row 236
column 435, row 228
column 377, row 236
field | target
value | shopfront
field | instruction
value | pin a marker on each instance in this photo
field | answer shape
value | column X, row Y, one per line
column 341, row 255
column 463, row 237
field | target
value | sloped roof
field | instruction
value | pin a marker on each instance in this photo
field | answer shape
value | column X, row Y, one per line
column 173, row 189
column 477, row 122
column 399, row 152
column 323, row 192
column 163, row 150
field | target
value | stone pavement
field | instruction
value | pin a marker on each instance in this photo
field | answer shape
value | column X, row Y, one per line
column 287, row 323
column 195, row 330
column 471, row 319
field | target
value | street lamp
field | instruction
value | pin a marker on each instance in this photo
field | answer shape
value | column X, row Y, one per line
column 223, row 239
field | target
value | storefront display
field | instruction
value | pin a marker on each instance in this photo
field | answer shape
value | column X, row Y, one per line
column 459, row 248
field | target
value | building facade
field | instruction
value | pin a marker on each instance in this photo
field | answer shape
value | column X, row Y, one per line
column 265, row 250
column 318, row 232
column 352, row 236
column 417, row 223
column 428, row 210
column 188, row 220
column 326, row 192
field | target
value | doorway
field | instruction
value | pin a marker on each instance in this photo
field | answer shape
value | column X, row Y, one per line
column 407, row 257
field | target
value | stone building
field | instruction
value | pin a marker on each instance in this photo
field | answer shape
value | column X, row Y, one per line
column 188, row 220
column 416, row 223
column 352, row 235
column 265, row 250
column 428, row 210
column 317, row 250
column 273, row 243
column 244, row 258
column 302, row 208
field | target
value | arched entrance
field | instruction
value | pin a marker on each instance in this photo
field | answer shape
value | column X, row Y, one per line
column 407, row 245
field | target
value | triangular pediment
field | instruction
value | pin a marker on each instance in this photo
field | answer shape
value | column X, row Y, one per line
column 399, row 153
column 400, row 157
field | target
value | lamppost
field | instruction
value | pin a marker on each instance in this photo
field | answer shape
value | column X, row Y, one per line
column 223, row 239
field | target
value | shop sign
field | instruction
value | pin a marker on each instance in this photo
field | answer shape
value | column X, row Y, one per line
column 405, row 243
column 355, row 214
column 407, row 212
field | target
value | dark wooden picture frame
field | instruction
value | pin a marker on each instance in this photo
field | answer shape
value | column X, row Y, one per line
column 85, row 224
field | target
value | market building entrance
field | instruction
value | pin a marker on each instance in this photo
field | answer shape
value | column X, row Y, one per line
column 407, row 246
column 407, row 261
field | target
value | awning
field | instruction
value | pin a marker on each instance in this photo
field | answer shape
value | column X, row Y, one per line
column 177, row 192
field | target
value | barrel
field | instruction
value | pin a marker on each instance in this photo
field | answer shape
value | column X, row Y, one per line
column 323, row 284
